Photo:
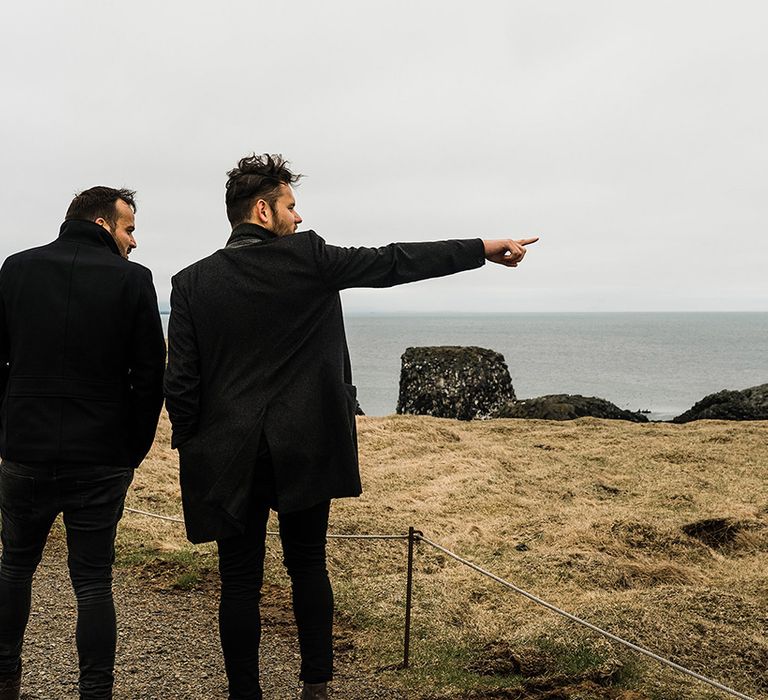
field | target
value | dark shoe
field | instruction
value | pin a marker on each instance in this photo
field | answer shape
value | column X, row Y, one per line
column 10, row 686
column 312, row 691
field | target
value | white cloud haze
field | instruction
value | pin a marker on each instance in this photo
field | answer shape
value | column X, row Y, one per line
column 631, row 136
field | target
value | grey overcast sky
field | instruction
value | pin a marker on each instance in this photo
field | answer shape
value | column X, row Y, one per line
column 631, row 136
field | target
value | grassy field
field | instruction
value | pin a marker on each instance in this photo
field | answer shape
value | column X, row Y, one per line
column 657, row 532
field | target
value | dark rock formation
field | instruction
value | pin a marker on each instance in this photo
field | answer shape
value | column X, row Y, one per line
column 567, row 407
column 748, row 404
column 453, row 382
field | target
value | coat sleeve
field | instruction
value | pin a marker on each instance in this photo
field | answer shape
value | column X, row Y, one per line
column 147, row 364
column 182, row 376
column 5, row 342
column 396, row 263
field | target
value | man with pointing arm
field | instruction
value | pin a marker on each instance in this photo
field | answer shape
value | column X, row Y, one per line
column 259, row 391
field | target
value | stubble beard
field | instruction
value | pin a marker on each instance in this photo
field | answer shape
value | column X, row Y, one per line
column 283, row 228
column 113, row 232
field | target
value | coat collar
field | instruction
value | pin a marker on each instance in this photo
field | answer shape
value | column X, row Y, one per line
column 243, row 234
column 88, row 233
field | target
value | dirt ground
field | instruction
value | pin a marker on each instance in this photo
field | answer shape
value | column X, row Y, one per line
column 168, row 647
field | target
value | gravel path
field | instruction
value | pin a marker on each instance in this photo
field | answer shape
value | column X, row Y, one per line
column 168, row 646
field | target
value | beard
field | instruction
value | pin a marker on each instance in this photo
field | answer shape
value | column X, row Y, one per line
column 124, row 250
column 283, row 228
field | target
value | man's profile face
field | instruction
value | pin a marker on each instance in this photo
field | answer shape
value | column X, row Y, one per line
column 285, row 218
column 123, row 228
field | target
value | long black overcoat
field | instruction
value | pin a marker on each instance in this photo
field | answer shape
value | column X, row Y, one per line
column 256, row 345
column 82, row 353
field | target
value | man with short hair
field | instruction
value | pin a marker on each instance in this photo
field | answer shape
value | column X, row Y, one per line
column 82, row 357
column 260, row 395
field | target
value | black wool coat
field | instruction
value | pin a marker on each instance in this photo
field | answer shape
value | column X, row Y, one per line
column 257, row 346
column 82, row 353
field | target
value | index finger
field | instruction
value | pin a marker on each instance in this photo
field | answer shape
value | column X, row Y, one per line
column 527, row 241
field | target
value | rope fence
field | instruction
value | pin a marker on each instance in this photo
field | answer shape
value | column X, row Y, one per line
column 330, row 536
column 580, row 621
column 169, row 518
column 415, row 536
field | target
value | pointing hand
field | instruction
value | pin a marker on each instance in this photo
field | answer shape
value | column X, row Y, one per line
column 506, row 251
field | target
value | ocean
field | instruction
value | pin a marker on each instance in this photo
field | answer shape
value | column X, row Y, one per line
column 657, row 362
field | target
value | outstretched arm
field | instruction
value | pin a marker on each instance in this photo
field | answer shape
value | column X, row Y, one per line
column 399, row 263
column 396, row 263
column 506, row 251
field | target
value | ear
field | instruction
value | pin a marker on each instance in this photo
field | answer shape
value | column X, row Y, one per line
column 262, row 212
column 103, row 223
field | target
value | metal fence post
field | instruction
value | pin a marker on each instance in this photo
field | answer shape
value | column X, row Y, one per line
column 408, row 598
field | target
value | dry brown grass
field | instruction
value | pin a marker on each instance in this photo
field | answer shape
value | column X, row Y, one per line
column 658, row 532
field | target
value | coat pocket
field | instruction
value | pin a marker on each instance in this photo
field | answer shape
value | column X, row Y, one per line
column 17, row 491
column 350, row 393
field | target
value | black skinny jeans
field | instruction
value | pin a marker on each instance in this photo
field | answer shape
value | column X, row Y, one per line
column 91, row 499
column 241, row 565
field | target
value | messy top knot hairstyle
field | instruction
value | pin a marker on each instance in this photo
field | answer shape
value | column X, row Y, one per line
column 99, row 203
column 254, row 178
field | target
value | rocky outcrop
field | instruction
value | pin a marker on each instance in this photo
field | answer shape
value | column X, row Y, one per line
column 747, row 404
column 453, row 382
column 568, row 407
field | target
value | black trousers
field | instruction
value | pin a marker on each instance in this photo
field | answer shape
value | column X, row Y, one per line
column 241, row 565
column 91, row 499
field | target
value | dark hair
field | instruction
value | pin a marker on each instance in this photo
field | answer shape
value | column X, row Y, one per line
column 99, row 203
column 255, row 177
